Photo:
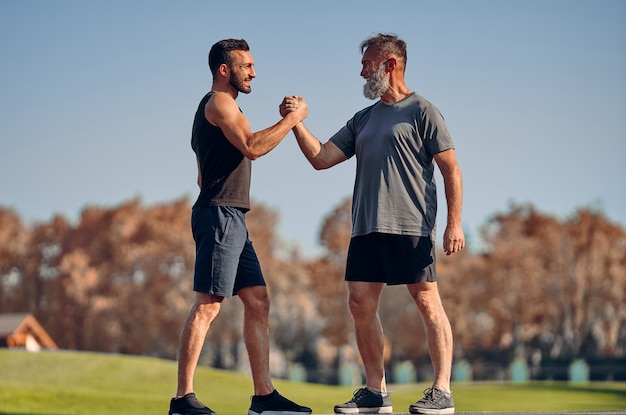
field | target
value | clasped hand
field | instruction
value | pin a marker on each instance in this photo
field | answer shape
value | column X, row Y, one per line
column 294, row 104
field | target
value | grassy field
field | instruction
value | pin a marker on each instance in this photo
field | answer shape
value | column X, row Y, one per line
column 63, row 383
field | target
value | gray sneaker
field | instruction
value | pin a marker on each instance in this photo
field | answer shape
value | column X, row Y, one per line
column 365, row 401
column 435, row 401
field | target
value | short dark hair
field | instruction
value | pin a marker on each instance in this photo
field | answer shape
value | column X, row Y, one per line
column 386, row 43
column 220, row 52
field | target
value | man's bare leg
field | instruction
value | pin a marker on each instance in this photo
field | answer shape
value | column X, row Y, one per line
column 203, row 312
column 256, row 336
column 438, row 330
column 363, row 302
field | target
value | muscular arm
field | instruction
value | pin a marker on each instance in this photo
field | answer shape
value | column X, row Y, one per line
column 223, row 112
column 321, row 156
column 453, row 237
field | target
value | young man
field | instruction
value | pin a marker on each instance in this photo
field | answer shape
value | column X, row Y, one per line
column 226, row 263
column 393, row 216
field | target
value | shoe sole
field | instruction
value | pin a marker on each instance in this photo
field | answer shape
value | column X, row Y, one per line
column 251, row 412
column 180, row 413
column 446, row 411
column 383, row 410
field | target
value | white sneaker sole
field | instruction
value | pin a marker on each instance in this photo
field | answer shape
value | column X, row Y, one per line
column 383, row 410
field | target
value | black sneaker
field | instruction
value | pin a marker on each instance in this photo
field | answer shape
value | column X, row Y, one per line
column 188, row 405
column 365, row 401
column 435, row 401
column 275, row 404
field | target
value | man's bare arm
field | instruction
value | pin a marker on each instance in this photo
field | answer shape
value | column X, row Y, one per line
column 453, row 237
column 321, row 156
column 223, row 112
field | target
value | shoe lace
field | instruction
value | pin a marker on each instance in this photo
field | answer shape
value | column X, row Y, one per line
column 429, row 394
column 359, row 394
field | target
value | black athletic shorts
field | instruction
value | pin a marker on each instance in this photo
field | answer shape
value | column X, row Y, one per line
column 392, row 259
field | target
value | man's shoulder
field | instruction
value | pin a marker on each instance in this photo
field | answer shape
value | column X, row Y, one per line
column 219, row 99
column 364, row 113
column 419, row 100
column 424, row 105
column 220, row 106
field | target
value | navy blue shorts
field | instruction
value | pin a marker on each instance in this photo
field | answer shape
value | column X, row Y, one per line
column 225, row 258
column 392, row 259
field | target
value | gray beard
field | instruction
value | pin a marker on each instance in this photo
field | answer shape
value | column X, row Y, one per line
column 376, row 84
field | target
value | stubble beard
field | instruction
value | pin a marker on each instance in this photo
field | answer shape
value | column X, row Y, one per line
column 238, row 83
column 377, row 83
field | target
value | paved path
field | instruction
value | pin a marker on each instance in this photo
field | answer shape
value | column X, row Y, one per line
column 524, row 413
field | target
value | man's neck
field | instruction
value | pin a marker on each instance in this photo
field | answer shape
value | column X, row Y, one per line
column 393, row 95
column 225, row 88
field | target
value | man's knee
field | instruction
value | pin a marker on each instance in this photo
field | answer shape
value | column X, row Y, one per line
column 255, row 299
column 426, row 296
column 362, row 306
column 207, row 305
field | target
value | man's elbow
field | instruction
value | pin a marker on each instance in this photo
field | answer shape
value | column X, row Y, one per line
column 318, row 165
column 458, row 174
column 452, row 173
column 251, row 153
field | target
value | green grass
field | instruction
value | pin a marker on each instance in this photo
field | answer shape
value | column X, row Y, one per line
column 64, row 383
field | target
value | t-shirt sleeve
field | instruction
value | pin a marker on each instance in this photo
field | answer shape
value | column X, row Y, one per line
column 437, row 138
column 344, row 139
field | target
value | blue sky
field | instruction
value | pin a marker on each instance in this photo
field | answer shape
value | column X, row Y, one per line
column 97, row 100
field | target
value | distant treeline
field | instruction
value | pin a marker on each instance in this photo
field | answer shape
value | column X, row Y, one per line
column 119, row 280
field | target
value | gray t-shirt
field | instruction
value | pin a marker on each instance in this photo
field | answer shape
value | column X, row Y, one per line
column 395, row 190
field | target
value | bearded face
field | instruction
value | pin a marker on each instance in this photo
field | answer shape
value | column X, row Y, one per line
column 241, row 71
column 377, row 83
column 240, row 82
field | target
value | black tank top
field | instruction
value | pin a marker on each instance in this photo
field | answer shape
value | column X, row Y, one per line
column 225, row 171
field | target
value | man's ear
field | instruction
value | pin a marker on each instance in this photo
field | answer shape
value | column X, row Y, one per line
column 391, row 64
column 223, row 70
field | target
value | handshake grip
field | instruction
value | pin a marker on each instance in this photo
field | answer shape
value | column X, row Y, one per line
column 294, row 104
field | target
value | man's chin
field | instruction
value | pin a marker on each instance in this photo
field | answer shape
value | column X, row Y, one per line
column 371, row 95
